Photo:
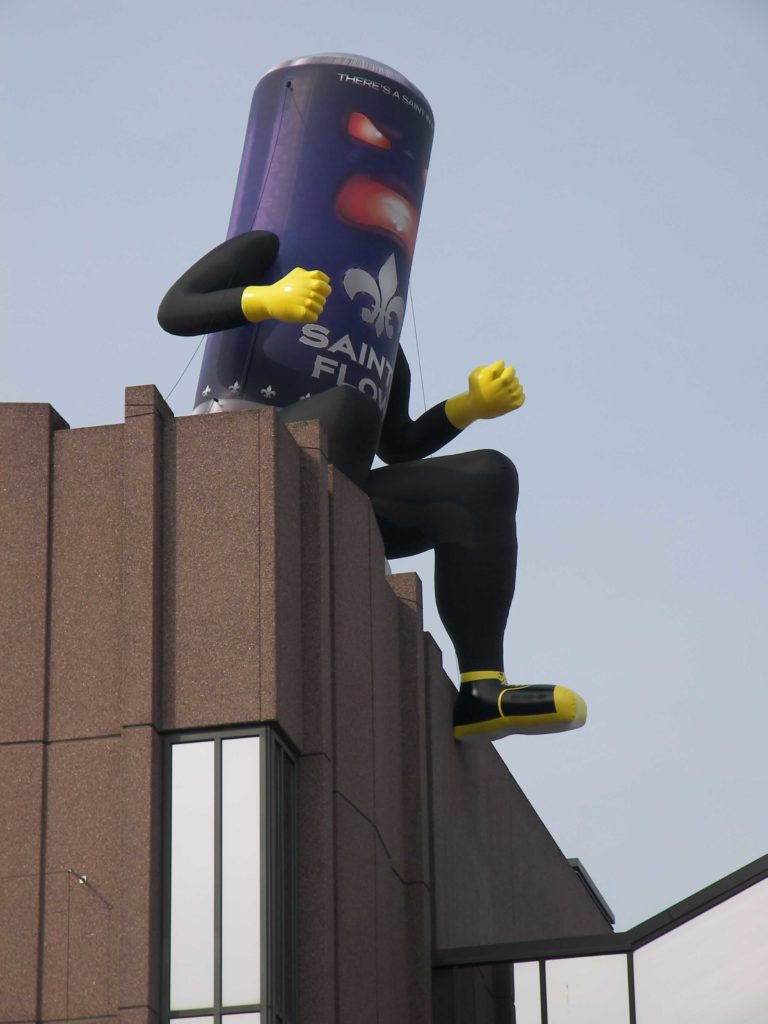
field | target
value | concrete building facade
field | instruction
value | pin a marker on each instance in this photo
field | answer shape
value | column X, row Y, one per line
column 196, row 579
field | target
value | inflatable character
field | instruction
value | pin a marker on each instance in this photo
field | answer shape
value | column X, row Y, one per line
column 332, row 177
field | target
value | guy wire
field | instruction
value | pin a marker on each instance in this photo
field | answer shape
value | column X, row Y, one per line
column 189, row 363
column 418, row 350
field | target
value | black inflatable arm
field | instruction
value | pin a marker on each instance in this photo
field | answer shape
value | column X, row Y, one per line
column 403, row 439
column 207, row 297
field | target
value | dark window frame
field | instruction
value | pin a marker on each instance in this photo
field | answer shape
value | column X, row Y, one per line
column 278, row 882
column 447, row 962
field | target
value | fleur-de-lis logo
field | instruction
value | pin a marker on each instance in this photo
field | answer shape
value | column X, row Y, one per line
column 385, row 310
column 268, row 391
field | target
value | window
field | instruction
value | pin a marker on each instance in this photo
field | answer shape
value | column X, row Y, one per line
column 229, row 879
column 588, row 990
column 527, row 993
column 700, row 962
column 710, row 969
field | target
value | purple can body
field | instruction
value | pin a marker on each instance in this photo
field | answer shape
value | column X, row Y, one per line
column 334, row 164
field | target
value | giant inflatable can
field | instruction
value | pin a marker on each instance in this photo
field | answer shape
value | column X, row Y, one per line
column 334, row 163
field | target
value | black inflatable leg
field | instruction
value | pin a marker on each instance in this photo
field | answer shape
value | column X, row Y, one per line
column 351, row 421
column 464, row 507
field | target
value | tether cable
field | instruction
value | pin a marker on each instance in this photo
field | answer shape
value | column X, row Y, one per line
column 418, row 350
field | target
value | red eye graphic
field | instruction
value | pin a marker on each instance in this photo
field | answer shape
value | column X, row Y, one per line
column 363, row 129
column 367, row 203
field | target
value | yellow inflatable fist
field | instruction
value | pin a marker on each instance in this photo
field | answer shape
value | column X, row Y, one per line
column 493, row 391
column 297, row 298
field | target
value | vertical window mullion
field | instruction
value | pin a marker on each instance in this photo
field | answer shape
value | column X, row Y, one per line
column 166, row 908
column 217, row 883
column 289, row 881
column 265, row 781
column 543, row 989
column 270, row 876
column 631, row 987
column 280, row 863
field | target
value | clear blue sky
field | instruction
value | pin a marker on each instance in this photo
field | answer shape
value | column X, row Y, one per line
column 597, row 214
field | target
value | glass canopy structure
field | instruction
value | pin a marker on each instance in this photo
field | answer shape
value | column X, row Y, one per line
column 702, row 961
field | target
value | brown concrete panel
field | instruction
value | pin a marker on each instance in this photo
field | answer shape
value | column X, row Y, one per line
column 21, row 774
column 377, row 557
column 91, row 943
column 392, row 946
column 403, row 947
column 352, row 625
column 498, row 875
column 21, row 768
column 280, row 559
column 85, row 578
column 137, row 1015
column 55, row 952
column 81, row 920
column 316, row 893
column 309, row 435
column 418, row 980
column 356, row 956
column 232, row 572
column 476, row 994
column 317, row 694
column 19, row 896
column 110, row 1019
column 547, row 889
column 390, row 772
column 139, row 919
column 407, row 587
column 213, row 508
column 142, row 434
column 26, row 433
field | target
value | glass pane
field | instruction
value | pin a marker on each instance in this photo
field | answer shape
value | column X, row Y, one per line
column 527, row 994
column 710, row 970
column 192, row 876
column 588, row 990
column 191, row 1020
column 241, row 1018
column 240, row 872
